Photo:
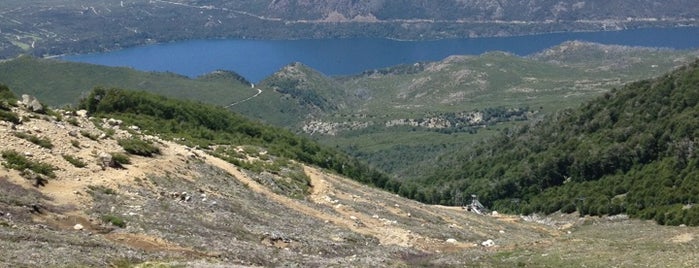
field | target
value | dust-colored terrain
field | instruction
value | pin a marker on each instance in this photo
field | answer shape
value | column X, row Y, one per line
column 186, row 207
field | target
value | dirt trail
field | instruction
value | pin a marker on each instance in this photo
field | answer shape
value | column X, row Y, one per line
column 349, row 218
column 259, row 91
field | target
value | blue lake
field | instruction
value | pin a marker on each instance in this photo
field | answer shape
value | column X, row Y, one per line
column 257, row 59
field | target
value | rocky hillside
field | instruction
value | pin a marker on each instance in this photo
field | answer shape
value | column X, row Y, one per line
column 82, row 190
column 478, row 10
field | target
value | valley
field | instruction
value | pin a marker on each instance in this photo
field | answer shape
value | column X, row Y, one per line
column 403, row 133
column 185, row 206
column 401, row 119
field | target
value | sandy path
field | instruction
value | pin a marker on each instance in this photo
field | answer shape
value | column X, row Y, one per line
column 349, row 219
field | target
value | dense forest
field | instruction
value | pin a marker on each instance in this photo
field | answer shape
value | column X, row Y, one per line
column 632, row 150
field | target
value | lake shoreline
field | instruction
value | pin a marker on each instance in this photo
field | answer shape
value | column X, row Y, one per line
column 256, row 59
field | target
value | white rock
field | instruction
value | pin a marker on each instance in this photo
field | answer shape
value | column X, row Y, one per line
column 353, row 218
column 451, row 241
column 81, row 113
column 488, row 243
column 78, row 227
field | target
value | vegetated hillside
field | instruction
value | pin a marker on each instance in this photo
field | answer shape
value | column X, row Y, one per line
column 78, row 189
column 59, row 83
column 54, row 27
column 292, row 95
column 475, row 10
column 629, row 151
column 402, row 118
column 205, row 125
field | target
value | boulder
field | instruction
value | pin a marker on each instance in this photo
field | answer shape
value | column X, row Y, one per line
column 32, row 104
column 488, row 243
column 81, row 113
column 451, row 241
column 105, row 160
column 78, row 227
column 36, row 106
column 114, row 122
column 26, row 99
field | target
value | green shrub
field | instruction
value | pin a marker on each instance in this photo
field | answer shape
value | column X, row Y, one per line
column 121, row 159
column 9, row 116
column 109, row 132
column 101, row 189
column 16, row 161
column 50, row 112
column 89, row 135
column 43, row 142
column 75, row 143
column 6, row 94
column 73, row 121
column 75, row 161
column 139, row 147
column 114, row 220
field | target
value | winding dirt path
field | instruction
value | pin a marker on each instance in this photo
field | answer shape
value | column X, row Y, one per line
column 259, row 91
column 348, row 218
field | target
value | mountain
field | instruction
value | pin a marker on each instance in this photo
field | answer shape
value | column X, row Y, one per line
column 292, row 95
column 629, row 151
column 59, row 83
column 55, row 27
column 104, row 188
column 400, row 119
column 403, row 118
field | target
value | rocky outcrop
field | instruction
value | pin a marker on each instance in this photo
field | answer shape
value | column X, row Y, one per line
column 32, row 104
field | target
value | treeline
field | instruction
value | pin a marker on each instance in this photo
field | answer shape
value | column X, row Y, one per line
column 204, row 125
column 632, row 151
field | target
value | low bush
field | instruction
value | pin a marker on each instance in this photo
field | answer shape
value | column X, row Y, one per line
column 89, row 135
column 114, row 220
column 75, row 161
column 75, row 143
column 102, row 189
column 121, row 159
column 16, row 161
column 73, row 121
column 9, row 117
column 43, row 142
column 6, row 94
column 139, row 147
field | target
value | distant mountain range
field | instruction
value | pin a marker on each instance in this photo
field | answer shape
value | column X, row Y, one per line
column 61, row 26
